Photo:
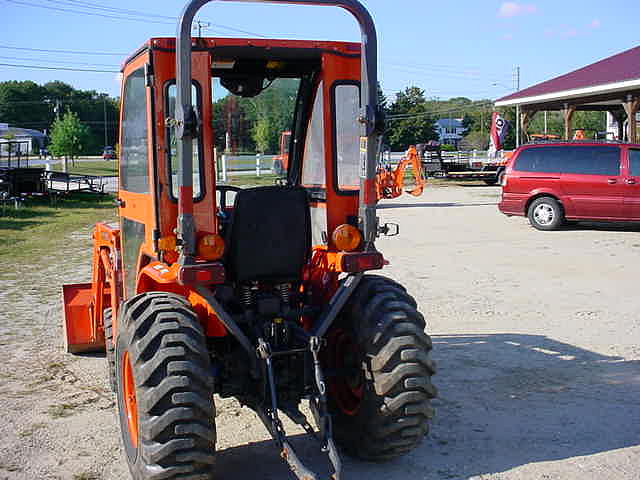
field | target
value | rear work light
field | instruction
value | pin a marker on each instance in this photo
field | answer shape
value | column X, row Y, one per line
column 201, row 274
column 361, row 261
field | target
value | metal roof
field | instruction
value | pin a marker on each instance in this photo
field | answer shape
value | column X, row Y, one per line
column 616, row 73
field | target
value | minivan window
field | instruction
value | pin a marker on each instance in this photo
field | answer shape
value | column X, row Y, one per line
column 586, row 160
column 634, row 163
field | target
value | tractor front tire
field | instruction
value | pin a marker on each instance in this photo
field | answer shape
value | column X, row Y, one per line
column 110, row 348
column 381, row 410
column 164, row 389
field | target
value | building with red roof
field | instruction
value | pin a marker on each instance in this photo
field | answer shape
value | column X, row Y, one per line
column 611, row 85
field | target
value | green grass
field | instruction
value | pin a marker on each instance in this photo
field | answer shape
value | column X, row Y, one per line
column 40, row 226
column 245, row 181
column 98, row 167
column 106, row 168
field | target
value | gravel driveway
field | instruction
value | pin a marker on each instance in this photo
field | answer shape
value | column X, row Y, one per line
column 537, row 339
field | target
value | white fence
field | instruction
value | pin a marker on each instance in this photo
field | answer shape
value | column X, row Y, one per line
column 229, row 165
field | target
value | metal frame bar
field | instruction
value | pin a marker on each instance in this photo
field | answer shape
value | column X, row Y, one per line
column 185, row 117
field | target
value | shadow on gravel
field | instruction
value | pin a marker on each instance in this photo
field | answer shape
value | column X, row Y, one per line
column 506, row 400
column 602, row 226
column 433, row 205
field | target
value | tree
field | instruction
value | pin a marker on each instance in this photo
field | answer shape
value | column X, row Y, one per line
column 28, row 105
column 474, row 141
column 67, row 137
column 410, row 122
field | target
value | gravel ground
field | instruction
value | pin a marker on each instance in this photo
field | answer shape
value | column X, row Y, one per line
column 536, row 337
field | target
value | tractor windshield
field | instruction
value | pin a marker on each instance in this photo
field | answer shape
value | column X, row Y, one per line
column 248, row 128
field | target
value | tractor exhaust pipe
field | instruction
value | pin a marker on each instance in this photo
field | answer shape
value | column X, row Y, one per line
column 186, row 123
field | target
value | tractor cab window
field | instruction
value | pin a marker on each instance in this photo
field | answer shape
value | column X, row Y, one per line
column 134, row 172
column 346, row 101
column 252, row 121
column 313, row 167
column 171, row 148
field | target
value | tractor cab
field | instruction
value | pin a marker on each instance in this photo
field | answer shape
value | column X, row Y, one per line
column 257, row 293
column 311, row 89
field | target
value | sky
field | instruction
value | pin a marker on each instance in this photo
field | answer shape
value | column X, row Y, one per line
column 467, row 48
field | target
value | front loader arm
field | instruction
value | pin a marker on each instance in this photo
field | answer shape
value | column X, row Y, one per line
column 84, row 303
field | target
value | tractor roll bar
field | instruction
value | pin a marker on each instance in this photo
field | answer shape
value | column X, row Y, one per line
column 186, row 122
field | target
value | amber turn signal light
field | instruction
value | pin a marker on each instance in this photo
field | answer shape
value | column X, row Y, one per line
column 211, row 247
column 346, row 237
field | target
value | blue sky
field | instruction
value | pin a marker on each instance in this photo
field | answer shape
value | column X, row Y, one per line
column 464, row 48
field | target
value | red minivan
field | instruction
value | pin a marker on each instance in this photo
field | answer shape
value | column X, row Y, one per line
column 554, row 182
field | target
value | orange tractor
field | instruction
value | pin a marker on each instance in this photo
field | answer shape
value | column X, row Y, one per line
column 390, row 182
column 264, row 298
column 281, row 161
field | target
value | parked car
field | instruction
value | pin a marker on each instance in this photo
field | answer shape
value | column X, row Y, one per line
column 554, row 182
column 108, row 153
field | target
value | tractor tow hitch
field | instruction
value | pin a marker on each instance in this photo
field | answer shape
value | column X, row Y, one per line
column 272, row 423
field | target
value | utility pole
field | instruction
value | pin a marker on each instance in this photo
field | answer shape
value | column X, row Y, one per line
column 201, row 25
column 104, row 109
column 517, row 81
column 56, row 109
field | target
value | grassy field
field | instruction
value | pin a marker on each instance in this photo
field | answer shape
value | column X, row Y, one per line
column 106, row 168
column 39, row 227
column 97, row 167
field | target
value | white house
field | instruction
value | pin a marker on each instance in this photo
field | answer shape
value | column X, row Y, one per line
column 450, row 130
column 23, row 140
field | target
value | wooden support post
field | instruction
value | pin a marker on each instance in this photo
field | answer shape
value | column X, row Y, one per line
column 631, row 107
column 567, row 113
column 525, row 118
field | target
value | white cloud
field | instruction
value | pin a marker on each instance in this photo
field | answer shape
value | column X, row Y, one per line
column 595, row 23
column 570, row 33
column 513, row 9
column 507, row 36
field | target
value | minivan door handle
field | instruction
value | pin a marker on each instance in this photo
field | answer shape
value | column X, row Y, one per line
column 630, row 181
column 611, row 181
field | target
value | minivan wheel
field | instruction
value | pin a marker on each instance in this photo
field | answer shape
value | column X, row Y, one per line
column 546, row 213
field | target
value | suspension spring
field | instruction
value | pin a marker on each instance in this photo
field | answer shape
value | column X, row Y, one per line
column 284, row 289
column 247, row 296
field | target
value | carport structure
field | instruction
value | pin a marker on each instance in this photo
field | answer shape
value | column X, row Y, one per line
column 610, row 85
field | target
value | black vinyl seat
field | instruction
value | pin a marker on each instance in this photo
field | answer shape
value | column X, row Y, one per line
column 269, row 237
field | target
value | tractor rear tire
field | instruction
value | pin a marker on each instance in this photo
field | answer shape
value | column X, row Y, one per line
column 164, row 389
column 110, row 348
column 382, row 410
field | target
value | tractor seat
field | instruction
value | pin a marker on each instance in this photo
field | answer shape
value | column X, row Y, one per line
column 269, row 237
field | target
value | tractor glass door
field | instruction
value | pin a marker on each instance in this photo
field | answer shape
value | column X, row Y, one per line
column 135, row 192
column 134, row 174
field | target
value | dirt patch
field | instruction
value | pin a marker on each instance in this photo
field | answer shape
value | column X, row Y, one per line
column 536, row 338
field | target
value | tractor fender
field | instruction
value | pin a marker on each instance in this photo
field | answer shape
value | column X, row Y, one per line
column 158, row 277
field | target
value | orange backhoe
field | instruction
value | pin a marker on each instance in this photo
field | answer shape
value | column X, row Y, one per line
column 390, row 182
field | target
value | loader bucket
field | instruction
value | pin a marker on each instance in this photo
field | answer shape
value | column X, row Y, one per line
column 80, row 332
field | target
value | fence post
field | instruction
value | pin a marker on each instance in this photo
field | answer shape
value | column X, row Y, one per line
column 223, row 160
column 257, row 164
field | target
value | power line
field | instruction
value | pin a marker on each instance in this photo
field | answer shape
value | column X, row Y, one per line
column 61, row 62
column 144, row 17
column 73, row 52
column 42, row 67
column 67, row 10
